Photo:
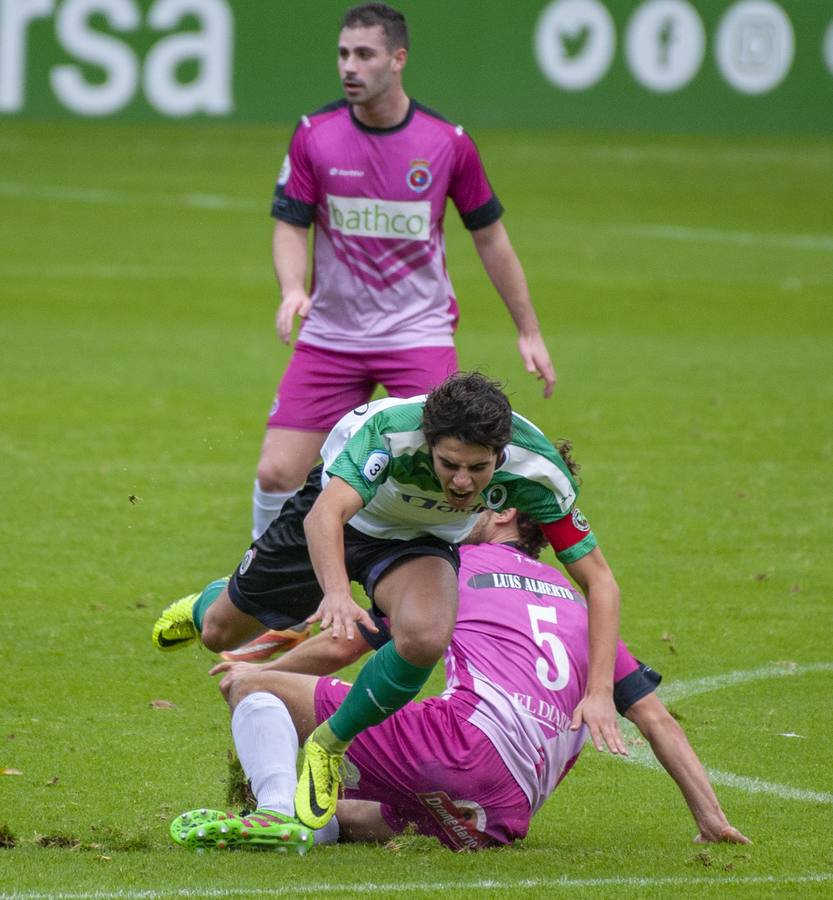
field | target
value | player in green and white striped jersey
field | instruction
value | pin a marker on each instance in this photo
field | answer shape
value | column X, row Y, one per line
column 381, row 451
column 402, row 482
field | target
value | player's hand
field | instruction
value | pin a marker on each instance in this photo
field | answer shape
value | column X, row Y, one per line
column 727, row 834
column 341, row 611
column 232, row 672
column 536, row 358
column 598, row 713
column 297, row 303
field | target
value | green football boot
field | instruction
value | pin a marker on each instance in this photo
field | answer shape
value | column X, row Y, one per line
column 175, row 627
column 184, row 822
column 318, row 784
column 261, row 830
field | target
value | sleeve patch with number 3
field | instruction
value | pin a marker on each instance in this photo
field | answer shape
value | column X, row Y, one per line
column 375, row 465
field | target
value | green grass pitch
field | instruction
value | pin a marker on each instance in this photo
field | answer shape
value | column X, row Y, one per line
column 684, row 286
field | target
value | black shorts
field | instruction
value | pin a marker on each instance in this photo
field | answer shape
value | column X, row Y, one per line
column 376, row 639
column 275, row 582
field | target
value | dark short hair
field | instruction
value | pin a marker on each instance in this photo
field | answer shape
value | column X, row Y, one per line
column 470, row 407
column 390, row 20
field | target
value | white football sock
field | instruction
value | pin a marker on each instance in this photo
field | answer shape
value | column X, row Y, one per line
column 267, row 746
column 328, row 834
column 265, row 507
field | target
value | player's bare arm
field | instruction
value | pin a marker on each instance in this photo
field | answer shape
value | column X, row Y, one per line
column 324, row 529
column 318, row 655
column 671, row 747
column 594, row 577
column 506, row 274
column 289, row 255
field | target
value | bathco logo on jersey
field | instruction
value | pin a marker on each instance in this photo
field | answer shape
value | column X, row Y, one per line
column 366, row 217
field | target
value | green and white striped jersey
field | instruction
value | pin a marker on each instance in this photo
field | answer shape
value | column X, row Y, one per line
column 380, row 451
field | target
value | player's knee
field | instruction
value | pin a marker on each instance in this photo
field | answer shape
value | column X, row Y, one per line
column 250, row 683
column 275, row 477
column 422, row 637
column 423, row 648
column 214, row 638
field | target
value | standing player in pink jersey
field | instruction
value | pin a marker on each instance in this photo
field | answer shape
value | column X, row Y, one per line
column 372, row 173
column 470, row 767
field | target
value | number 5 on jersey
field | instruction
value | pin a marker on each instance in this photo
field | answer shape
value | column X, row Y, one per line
column 560, row 662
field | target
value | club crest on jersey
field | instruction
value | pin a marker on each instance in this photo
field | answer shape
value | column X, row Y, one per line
column 419, row 176
column 376, row 463
column 251, row 553
column 579, row 522
column 496, row 496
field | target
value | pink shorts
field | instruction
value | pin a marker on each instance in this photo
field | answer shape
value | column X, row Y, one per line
column 428, row 766
column 319, row 386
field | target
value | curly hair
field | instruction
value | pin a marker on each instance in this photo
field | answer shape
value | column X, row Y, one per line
column 531, row 539
column 470, row 407
column 391, row 21
column 565, row 450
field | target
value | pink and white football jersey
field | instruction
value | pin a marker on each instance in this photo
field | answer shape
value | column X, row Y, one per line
column 519, row 657
column 472, row 766
column 377, row 198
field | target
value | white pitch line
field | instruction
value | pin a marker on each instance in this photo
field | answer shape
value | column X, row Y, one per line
column 220, row 202
column 563, row 883
column 697, row 157
column 119, row 272
column 101, row 196
column 641, row 754
column 684, row 234
column 686, row 689
column 724, row 236
column 758, row 786
column 705, row 158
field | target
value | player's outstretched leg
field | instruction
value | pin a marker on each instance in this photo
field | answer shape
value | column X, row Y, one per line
column 262, row 829
column 176, row 626
column 318, row 784
column 269, row 644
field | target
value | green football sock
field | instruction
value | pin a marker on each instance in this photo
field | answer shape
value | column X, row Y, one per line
column 386, row 683
column 210, row 593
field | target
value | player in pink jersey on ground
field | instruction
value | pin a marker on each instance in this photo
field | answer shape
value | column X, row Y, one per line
column 470, row 767
column 372, row 173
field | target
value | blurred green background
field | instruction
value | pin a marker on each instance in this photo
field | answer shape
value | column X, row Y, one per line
column 732, row 66
column 683, row 282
